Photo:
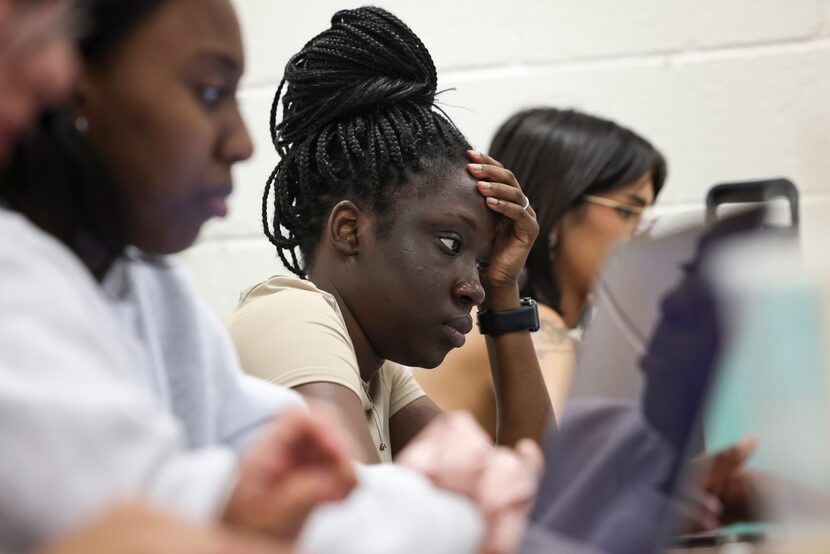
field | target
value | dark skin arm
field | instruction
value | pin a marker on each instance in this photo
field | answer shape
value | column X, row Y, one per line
column 403, row 426
column 351, row 414
column 411, row 420
column 523, row 406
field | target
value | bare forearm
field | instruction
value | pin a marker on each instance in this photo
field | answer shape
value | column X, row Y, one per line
column 523, row 406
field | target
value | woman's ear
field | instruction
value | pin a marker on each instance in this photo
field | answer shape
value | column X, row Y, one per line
column 82, row 97
column 556, row 233
column 344, row 228
column 572, row 218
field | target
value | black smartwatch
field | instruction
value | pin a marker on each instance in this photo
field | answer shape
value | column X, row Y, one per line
column 499, row 322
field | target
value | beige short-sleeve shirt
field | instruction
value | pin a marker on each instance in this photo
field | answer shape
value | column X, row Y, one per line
column 289, row 332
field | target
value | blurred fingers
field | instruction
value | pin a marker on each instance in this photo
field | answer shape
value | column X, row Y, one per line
column 285, row 511
column 532, row 455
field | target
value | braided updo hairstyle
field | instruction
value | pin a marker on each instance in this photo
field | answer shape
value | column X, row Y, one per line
column 359, row 115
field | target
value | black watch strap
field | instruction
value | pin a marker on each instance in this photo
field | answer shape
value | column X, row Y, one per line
column 499, row 322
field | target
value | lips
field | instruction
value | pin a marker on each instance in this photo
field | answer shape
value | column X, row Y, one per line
column 218, row 206
column 456, row 328
column 216, row 201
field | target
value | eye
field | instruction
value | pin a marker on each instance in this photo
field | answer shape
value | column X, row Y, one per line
column 211, row 95
column 482, row 265
column 452, row 245
column 626, row 214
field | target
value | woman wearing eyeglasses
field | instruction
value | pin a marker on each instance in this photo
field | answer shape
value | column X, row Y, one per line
column 590, row 181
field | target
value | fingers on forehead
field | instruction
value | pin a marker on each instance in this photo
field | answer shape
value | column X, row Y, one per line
column 500, row 175
column 489, row 160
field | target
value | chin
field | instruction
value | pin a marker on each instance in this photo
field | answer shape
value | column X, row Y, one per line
column 427, row 360
column 172, row 243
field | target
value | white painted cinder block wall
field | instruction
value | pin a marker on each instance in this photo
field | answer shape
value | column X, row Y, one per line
column 728, row 89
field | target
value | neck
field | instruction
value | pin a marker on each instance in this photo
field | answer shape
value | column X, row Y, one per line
column 94, row 255
column 571, row 299
column 63, row 225
column 368, row 361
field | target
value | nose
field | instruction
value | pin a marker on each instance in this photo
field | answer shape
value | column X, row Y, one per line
column 237, row 145
column 469, row 291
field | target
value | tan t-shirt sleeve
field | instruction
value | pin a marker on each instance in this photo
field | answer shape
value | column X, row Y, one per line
column 404, row 388
column 293, row 337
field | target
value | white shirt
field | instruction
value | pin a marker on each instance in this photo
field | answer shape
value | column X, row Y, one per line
column 183, row 354
column 77, row 432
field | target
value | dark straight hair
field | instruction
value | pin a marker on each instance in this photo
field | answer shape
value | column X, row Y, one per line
column 559, row 156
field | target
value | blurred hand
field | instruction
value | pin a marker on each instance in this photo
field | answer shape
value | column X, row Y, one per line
column 298, row 464
column 456, row 454
column 724, row 475
column 506, row 494
column 135, row 529
column 722, row 489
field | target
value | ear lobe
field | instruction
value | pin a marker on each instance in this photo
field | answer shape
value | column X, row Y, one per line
column 344, row 227
column 83, row 93
column 569, row 219
column 556, row 231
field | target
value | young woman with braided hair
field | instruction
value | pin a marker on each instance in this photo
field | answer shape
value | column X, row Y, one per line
column 397, row 230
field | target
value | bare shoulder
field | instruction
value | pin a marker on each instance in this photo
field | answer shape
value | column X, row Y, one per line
column 556, row 351
column 552, row 336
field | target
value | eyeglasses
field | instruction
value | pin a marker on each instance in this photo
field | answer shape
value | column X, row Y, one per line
column 638, row 216
column 628, row 212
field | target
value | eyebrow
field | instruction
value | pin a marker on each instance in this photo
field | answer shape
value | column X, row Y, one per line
column 636, row 200
column 470, row 221
column 227, row 63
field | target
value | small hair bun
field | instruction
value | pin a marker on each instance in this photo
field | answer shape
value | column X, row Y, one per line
column 366, row 61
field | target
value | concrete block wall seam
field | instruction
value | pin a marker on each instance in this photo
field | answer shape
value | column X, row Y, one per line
column 657, row 59
column 728, row 89
column 538, row 30
column 719, row 92
column 242, row 262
